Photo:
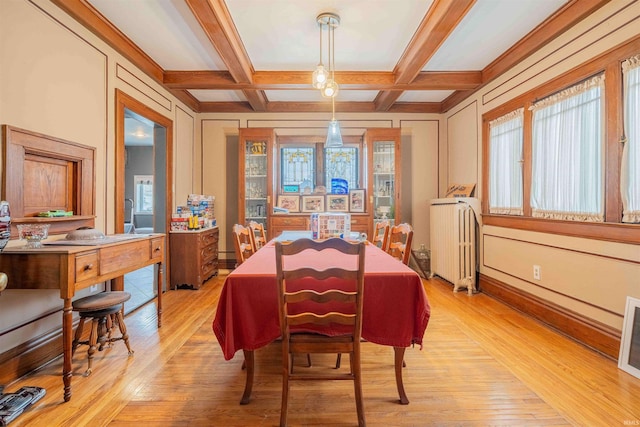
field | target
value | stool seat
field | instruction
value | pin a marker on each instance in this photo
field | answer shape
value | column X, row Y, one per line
column 100, row 301
column 105, row 311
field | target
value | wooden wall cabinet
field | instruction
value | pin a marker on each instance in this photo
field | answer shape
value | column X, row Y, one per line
column 383, row 189
column 194, row 256
column 256, row 175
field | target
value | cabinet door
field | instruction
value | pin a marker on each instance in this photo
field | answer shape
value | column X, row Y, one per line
column 255, row 169
column 384, row 174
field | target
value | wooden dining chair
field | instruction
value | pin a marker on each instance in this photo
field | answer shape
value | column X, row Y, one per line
column 258, row 235
column 399, row 246
column 301, row 305
column 242, row 242
column 380, row 236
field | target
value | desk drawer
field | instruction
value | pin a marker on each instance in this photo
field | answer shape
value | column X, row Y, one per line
column 157, row 248
column 293, row 222
column 87, row 266
column 115, row 258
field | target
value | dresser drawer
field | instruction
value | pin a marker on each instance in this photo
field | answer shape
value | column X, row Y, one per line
column 295, row 222
column 209, row 237
column 87, row 266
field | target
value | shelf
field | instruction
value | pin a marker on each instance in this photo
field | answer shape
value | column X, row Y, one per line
column 58, row 225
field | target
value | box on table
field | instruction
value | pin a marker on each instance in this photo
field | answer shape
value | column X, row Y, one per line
column 329, row 224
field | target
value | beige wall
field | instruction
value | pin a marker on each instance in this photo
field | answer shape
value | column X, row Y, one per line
column 592, row 278
column 56, row 78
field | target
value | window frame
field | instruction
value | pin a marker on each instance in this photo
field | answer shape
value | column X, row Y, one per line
column 318, row 142
column 612, row 229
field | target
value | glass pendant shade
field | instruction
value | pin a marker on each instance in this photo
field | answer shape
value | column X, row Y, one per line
column 331, row 89
column 334, row 138
column 320, row 77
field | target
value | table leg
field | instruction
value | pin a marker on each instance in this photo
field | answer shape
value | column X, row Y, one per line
column 248, row 361
column 67, row 342
column 399, row 358
column 160, row 265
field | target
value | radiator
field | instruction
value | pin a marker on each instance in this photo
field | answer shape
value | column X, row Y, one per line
column 453, row 243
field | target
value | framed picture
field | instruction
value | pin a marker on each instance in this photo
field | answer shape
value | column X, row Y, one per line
column 629, row 358
column 312, row 203
column 356, row 200
column 337, row 203
column 291, row 203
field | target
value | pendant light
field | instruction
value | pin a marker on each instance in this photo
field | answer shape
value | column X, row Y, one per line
column 334, row 137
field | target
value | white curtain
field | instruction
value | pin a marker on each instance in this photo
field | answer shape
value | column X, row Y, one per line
column 568, row 154
column 505, row 164
column 630, row 171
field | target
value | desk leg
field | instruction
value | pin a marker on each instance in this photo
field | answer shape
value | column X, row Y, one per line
column 160, row 265
column 399, row 358
column 248, row 361
column 67, row 340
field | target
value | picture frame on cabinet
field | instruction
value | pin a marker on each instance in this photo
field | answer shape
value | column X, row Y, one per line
column 629, row 357
column 312, row 203
column 356, row 200
column 337, row 203
column 288, row 202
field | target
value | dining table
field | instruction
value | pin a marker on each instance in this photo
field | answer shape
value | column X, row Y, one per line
column 396, row 310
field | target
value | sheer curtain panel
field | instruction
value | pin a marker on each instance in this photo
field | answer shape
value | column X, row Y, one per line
column 630, row 171
column 568, row 154
column 505, row 164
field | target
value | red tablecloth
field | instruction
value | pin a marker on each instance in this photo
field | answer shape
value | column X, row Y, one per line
column 395, row 311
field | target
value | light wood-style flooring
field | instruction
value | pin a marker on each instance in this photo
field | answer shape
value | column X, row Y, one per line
column 483, row 364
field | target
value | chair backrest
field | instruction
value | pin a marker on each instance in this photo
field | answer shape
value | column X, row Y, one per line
column 290, row 269
column 400, row 238
column 380, row 236
column 258, row 235
column 242, row 242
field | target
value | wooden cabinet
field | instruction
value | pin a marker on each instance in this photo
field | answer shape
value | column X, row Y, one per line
column 194, row 256
column 383, row 181
column 255, row 175
column 294, row 222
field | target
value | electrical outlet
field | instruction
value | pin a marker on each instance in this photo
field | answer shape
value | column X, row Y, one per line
column 93, row 288
column 537, row 272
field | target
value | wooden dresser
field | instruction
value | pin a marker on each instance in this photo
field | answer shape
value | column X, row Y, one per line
column 194, row 256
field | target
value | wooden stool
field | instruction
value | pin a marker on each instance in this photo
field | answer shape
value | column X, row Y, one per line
column 104, row 310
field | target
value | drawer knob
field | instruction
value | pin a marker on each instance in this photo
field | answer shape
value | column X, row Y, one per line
column 88, row 267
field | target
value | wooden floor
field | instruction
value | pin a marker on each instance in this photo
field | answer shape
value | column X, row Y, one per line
column 482, row 364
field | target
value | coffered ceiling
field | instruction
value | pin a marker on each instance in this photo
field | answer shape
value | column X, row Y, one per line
column 390, row 55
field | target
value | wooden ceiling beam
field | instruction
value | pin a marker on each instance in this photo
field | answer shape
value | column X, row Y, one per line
column 353, row 80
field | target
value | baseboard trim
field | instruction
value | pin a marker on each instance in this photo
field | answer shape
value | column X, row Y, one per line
column 30, row 356
column 593, row 334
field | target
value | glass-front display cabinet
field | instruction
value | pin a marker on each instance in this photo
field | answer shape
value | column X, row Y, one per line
column 255, row 175
column 384, row 174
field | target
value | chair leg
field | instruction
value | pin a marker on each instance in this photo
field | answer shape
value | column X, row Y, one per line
column 123, row 330
column 284, row 407
column 338, row 360
column 357, row 386
column 93, row 339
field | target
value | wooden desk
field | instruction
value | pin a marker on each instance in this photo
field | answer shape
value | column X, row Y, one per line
column 396, row 309
column 70, row 268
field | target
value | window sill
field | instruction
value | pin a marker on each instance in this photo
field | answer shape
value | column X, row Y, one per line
column 612, row 232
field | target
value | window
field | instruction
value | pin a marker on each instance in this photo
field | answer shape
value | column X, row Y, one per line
column 630, row 168
column 342, row 163
column 505, row 164
column 297, row 167
column 305, row 162
column 567, row 177
column 143, row 185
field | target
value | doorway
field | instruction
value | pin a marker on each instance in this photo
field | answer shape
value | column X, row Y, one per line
column 143, row 175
